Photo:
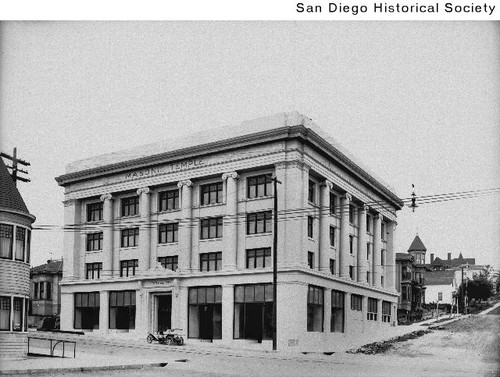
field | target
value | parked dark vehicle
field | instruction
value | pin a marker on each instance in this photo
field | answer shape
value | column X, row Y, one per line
column 168, row 337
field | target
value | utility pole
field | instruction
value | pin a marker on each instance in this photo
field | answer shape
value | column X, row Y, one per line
column 275, row 263
column 14, row 167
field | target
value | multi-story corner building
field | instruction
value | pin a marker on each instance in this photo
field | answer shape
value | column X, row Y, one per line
column 15, row 240
column 179, row 234
column 45, row 294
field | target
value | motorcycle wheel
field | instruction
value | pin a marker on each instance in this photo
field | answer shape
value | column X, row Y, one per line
column 180, row 341
column 150, row 338
column 168, row 341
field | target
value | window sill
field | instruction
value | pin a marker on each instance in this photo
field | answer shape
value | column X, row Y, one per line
column 257, row 198
column 176, row 243
column 167, row 211
column 210, row 205
column 130, row 217
column 259, row 234
column 211, row 239
column 129, row 247
column 93, row 251
column 95, row 222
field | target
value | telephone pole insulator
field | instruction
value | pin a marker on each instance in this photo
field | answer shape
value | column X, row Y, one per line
column 14, row 167
column 413, row 204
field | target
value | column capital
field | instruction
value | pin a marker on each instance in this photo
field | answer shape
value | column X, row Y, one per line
column 106, row 197
column 328, row 184
column 347, row 196
column 377, row 216
column 186, row 182
column 143, row 190
column 232, row 174
column 364, row 207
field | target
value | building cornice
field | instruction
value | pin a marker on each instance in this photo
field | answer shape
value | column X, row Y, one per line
column 300, row 132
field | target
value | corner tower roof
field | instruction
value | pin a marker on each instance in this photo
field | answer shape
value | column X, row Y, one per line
column 417, row 245
column 10, row 198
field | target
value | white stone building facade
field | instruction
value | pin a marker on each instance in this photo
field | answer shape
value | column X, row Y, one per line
column 180, row 235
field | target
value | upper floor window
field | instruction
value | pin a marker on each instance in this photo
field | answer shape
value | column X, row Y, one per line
column 311, row 195
column 94, row 211
column 351, row 272
column 42, row 290
column 20, row 242
column 130, row 237
column 130, row 206
column 94, row 241
column 259, row 222
column 168, row 200
column 258, row 186
column 211, row 193
column 128, row 267
column 352, row 214
column 333, row 204
column 351, row 244
column 372, row 309
column 93, row 270
column 168, row 233
column 170, row 263
column 310, row 226
column 211, row 261
column 211, row 228
column 259, row 258
column 440, row 296
column 368, row 223
column 382, row 257
column 310, row 259
column 332, row 236
column 368, row 248
column 356, row 302
column 6, row 240
column 383, row 230
column 332, row 266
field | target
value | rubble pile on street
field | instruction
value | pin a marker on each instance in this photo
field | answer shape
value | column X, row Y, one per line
column 381, row 347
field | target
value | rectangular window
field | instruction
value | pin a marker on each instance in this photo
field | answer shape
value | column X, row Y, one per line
column 259, row 222
column 170, row 263
column 168, row 233
column 332, row 236
column 48, row 290
column 17, row 322
column 351, row 272
column 386, row 311
column 368, row 248
column 404, row 292
column 36, row 294
column 130, row 237
column 130, row 206
column 4, row 313
column 28, row 245
column 356, row 302
column 211, row 193
column 382, row 230
column 351, row 244
column 93, row 270
column 6, row 240
column 253, row 311
column 312, row 191
column 440, row 296
column 368, row 278
column 87, row 307
column 122, row 310
column 211, row 228
column 315, row 308
column 337, row 318
column 371, row 314
column 94, row 211
column 310, row 259
column 382, row 257
column 205, row 312
column 168, row 200
column 310, row 226
column 352, row 214
column 332, row 266
column 382, row 281
column 20, row 243
column 94, row 241
column 259, row 258
column 259, row 186
column 42, row 291
column 368, row 223
column 333, row 204
column 128, row 267
column 211, row 261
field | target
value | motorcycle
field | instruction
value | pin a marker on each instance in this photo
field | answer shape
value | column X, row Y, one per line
column 168, row 337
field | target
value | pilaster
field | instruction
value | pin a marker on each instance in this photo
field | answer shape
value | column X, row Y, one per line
column 145, row 228
column 390, row 260
column 186, row 227
column 376, row 250
column 72, row 240
column 230, row 253
column 108, row 269
column 362, row 241
column 344, row 254
column 227, row 312
column 104, row 312
column 324, row 227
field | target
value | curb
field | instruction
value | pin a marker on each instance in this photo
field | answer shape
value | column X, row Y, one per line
column 81, row 369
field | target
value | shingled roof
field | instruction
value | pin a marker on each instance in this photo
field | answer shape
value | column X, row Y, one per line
column 52, row 267
column 417, row 245
column 10, row 198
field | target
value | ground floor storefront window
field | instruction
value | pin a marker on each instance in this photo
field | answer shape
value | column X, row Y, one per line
column 253, row 311
column 386, row 311
column 315, row 308
column 87, row 307
column 205, row 312
column 122, row 310
column 337, row 319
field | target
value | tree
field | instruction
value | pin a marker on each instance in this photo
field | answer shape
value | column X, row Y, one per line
column 480, row 288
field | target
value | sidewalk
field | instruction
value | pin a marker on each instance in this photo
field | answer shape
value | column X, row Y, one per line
column 87, row 359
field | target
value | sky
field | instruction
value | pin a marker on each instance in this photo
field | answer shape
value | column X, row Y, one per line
column 416, row 102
